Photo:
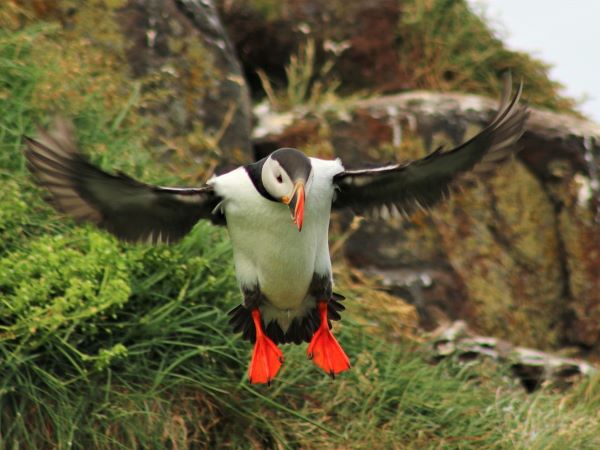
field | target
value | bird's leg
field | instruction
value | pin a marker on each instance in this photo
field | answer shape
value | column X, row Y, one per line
column 266, row 356
column 324, row 349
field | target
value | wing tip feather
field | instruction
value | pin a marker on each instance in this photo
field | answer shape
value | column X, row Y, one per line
column 490, row 148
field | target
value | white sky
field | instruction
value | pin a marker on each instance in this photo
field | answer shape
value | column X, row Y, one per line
column 563, row 33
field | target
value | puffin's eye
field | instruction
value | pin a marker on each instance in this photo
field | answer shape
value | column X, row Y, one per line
column 279, row 178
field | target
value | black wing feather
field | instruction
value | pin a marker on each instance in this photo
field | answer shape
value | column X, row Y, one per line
column 131, row 210
column 422, row 183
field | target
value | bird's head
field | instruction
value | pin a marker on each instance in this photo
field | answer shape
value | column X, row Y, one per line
column 286, row 175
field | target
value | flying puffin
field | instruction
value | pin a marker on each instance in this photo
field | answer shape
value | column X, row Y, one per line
column 282, row 266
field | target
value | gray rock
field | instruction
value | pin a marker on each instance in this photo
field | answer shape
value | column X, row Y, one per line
column 180, row 49
column 533, row 368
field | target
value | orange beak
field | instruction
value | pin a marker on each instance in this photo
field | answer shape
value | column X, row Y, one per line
column 296, row 204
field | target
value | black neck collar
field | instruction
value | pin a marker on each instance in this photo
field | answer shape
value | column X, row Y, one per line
column 254, row 171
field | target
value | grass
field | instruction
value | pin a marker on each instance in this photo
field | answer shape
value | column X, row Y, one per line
column 448, row 47
column 110, row 346
column 439, row 44
column 307, row 85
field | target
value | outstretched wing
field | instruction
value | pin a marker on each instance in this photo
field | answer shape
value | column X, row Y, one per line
column 423, row 182
column 130, row 210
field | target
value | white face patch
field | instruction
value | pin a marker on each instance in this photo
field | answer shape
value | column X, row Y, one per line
column 276, row 180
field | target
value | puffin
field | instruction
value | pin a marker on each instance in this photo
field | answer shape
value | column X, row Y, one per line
column 277, row 212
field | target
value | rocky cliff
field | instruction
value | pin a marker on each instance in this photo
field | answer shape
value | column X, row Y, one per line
column 518, row 256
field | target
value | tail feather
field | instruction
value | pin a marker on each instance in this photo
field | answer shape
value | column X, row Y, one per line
column 300, row 330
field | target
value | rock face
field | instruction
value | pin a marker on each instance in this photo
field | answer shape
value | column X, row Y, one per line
column 580, row 231
column 501, row 239
column 517, row 255
column 190, row 82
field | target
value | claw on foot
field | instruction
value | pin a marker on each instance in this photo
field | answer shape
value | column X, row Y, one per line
column 325, row 350
column 266, row 356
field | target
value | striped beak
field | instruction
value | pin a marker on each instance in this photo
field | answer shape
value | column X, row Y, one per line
column 296, row 204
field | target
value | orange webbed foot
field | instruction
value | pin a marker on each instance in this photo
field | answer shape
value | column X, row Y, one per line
column 266, row 356
column 325, row 350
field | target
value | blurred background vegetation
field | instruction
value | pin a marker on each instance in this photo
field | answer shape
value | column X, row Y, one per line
column 106, row 345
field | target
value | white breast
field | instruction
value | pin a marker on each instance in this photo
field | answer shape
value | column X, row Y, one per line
column 268, row 248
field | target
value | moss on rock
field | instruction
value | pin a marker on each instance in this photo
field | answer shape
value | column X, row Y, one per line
column 501, row 238
column 578, row 223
